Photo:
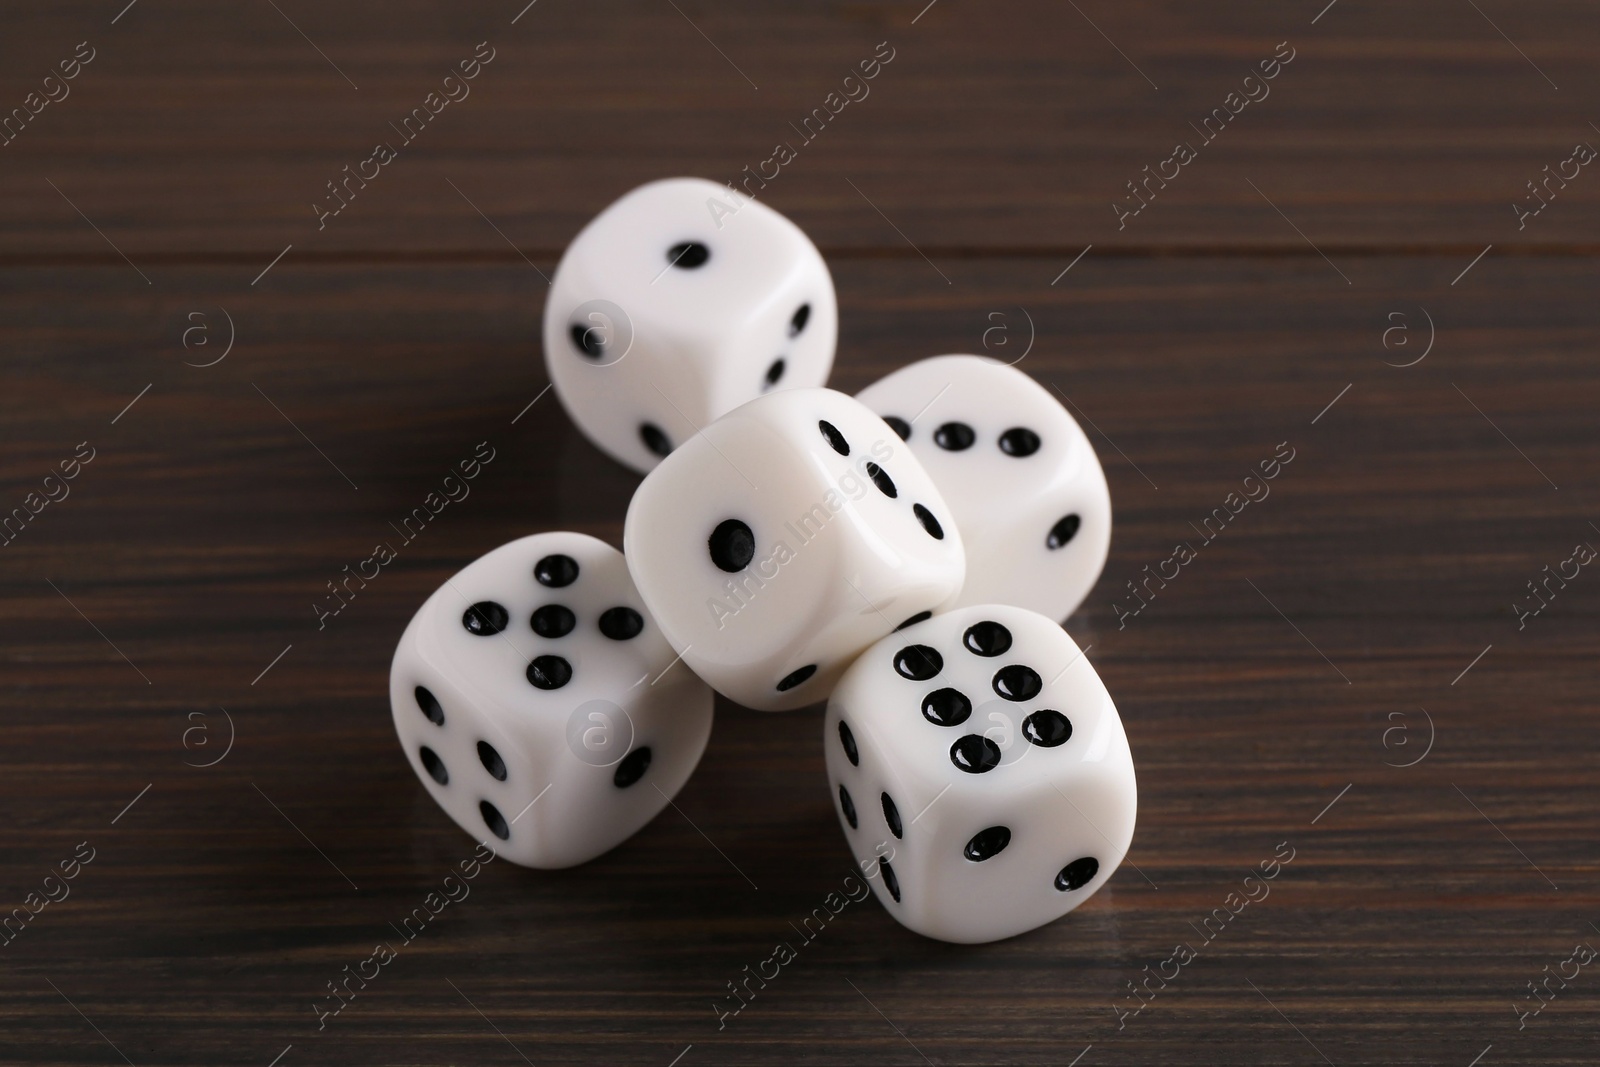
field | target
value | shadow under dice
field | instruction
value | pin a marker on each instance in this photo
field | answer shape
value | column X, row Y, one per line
column 783, row 540
column 538, row 702
column 1018, row 473
column 676, row 304
column 981, row 773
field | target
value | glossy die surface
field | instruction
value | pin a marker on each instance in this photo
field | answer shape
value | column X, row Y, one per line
column 670, row 309
column 980, row 772
column 1021, row 478
column 783, row 540
column 522, row 695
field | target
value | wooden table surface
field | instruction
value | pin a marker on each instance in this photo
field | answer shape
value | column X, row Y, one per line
column 1342, row 676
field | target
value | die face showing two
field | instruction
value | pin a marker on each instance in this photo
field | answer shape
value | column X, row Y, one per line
column 784, row 539
column 981, row 773
column 1018, row 473
column 668, row 310
column 522, row 694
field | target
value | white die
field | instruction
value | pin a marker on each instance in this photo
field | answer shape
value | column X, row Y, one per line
column 783, row 540
column 1018, row 473
column 979, row 815
column 532, row 695
column 669, row 310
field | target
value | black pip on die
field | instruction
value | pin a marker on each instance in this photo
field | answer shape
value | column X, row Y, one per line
column 539, row 704
column 981, row 772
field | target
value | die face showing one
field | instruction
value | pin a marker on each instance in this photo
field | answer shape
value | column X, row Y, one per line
column 980, row 772
column 779, row 543
column 522, row 693
column 1018, row 473
column 669, row 310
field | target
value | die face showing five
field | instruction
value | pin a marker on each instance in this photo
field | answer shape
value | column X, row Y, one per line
column 668, row 310
column 780, row 542
column 1018, row 473
column 981, row 773
column 522, row 693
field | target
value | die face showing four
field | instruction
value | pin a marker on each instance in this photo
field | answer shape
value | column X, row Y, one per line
column 779, row 543
column 981, row 773
column 522, row 694
column 668, row 310
column 1018, row 473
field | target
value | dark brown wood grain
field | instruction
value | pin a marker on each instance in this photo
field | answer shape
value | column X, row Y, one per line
column 211, row 130
column 204, row 529
column 1270, row 691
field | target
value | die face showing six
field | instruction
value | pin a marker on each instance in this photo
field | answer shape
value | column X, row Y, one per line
column 522, row 694
column 981, row 773
column 668, row 310
column 1018, row 473
column 779, row 543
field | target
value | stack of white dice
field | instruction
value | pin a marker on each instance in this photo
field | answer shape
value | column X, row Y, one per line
column 906, row 555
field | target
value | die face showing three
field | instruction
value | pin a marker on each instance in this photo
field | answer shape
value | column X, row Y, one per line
column 1018, row 473
column 522, row 693
column 981, row 773
column 668, row 310
column 783, row 540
